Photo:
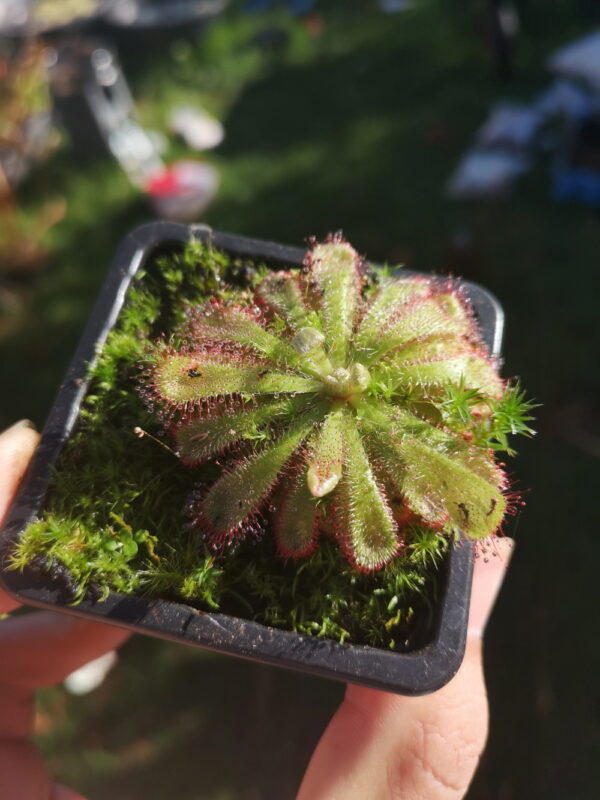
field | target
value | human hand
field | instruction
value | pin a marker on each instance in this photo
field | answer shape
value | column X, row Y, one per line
column 378, row 746
column 36, row 650
column 381, row 746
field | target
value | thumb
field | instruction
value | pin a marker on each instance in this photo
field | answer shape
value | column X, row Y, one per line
column 490, row 568
column 385, row 746
column 17, row 444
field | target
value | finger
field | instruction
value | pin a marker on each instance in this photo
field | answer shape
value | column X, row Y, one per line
column 17, row 444
column 380, row 745
column 23, row 774
column 488, row 576
column 385, row 746
column 64, row 793
column 41, row 649
column 7, row 603
column 18, row 712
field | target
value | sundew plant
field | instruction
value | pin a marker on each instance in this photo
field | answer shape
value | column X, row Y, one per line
column 340, row 408
column 300, row 450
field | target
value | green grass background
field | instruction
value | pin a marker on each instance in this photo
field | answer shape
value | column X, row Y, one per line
column 355, row 128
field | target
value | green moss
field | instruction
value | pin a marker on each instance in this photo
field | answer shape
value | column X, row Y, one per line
column 113, row 517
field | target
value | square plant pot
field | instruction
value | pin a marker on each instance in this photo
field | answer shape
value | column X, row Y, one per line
column 425, row 668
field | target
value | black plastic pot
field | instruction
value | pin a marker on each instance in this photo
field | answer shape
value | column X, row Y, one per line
column 418, row 672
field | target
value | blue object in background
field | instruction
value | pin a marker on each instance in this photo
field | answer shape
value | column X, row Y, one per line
column 577, row 183
column 295, row 6
column 577, row 173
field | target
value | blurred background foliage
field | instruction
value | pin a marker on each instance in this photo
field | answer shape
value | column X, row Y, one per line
column 345, row 118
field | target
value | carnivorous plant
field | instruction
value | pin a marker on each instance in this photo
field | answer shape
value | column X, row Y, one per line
column 338, row 401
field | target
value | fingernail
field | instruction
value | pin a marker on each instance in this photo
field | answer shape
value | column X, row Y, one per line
column 490, row 569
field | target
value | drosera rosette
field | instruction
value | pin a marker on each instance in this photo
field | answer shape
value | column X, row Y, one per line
column 342, row 401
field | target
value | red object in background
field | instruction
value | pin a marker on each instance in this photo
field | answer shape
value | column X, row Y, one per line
column 165, row 183
column 182, row 190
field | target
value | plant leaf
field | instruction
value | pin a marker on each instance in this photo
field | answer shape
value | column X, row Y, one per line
column 282, row 292
column 402, row 366
column 327, row 455
column 238, row 326
column 422, row 318
column 440, row 477
column 239, row 493
column 335, row 268
column 434, row 348
column 192, row 377
column 480, row 374
column 476, row 373
column 296, row 522
column 199, row 439
column 445, row 488
column 393, row 293
column 364, row 521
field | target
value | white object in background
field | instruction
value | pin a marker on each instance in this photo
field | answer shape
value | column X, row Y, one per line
column 509, row 125
column 183, row 190
column 564, row 98
column 197, row 128
column 125, row 12
column 509, row 20
column 13, row 13
column 486, row 174
column 135, row 151
column 580, row 59
column 91, row 675
column 161, row 13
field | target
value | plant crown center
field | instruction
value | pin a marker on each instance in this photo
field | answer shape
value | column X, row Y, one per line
column 344, row 383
